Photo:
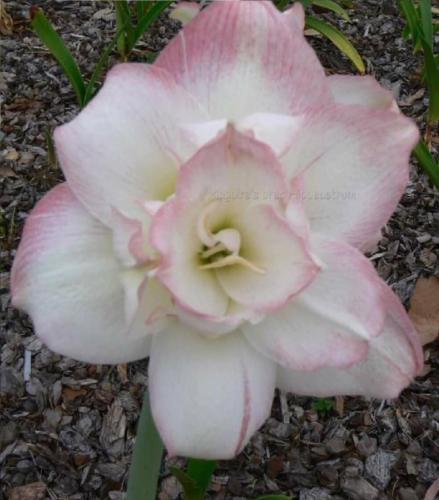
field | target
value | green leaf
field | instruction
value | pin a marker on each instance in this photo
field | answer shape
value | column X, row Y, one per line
column 330, row 5
column 201, row 471
column 191, row 490
column 197, row 478
column 145, row 22
column 323, row 405
column 141, row 7
column 427, row 162
column 432, row 76
column 99, row 66
column 123, row 18
column 274, row 497
column 427, row 21
column 338, row 39
column 147, row 457
column 47, row 34
column 281, row 4
column 412, row 19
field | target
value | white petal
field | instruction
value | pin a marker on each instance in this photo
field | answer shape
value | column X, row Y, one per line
column 66, row 278
column 208, row 396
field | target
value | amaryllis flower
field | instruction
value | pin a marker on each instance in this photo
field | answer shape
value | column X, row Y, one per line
column 216, row 208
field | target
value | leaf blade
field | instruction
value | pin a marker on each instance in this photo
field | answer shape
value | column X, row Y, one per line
column 338, row 39
column 427, row 162
column 147, row 457
column 333, row 6
column 48, row 35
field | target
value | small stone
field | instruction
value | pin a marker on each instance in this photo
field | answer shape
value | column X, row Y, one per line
column 8, row 433
column 427, row 257
column 314, row 494
column 115, row 495
column 378, row 467
column 358, row 489
column 171, row 487
column 366, row 446
column 407, row 494
column 428, row 471
column 52, row 418
column 336, row 446
column 414, row 448
column 279, row 429
column 114, row 471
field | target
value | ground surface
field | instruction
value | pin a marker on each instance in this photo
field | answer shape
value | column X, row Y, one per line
column 70, row 426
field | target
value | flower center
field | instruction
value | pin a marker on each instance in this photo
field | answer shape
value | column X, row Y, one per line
column 220, row 248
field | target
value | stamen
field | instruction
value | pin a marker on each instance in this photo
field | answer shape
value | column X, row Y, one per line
column 232, row 260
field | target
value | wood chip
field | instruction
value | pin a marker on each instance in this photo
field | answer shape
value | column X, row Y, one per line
column 424, row 308
column 31, row 491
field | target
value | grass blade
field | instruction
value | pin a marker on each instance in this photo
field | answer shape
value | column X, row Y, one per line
column 333, row 6
column 338, row 39
column 427, row 162
column 145, row 22
column 432, row 76
column 47, row 34
column 147, row 457
column 99, row 66
column 427, row 21
column 412, row 20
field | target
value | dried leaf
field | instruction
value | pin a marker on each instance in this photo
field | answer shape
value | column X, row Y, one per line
column 69, row 394
column 424, row 309
column 6, row 22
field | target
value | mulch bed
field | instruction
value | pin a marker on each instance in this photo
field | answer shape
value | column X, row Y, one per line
column 67, row 429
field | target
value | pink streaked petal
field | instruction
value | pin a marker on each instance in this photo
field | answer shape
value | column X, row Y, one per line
column 355, row 166
column 173, row 234
column 233, row 171
column 232, row 46
column 381, row 374
column 273, row 129
column 66, row 278
column 232, row 167
column 123, row 146
column 130, row 239
column 269, row 243
column 214, row 326
column 394, row 359
column 332, row 321
column 361, row 90
column 296, row 15
column 231, row 388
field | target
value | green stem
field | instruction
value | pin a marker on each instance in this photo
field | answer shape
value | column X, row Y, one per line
column 427, row 162
column 201, row 472
column 147, row 457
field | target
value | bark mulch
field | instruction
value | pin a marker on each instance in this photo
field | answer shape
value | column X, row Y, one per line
column 67, row 429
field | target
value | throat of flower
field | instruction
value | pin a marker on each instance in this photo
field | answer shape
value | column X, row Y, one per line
column 221, row 249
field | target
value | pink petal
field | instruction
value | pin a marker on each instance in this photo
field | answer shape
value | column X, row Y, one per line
column 295, row 14
column 130, row 239
column 361, row 90
column 332, row 321
column 66, row 278
column 394, row 359
column 270, row 244
column 354, row 162
column 234, row 171
column 124, row 147
column 208, row 396
column 239, row 58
